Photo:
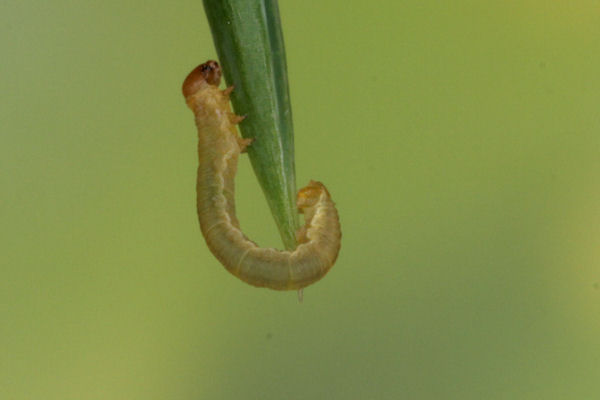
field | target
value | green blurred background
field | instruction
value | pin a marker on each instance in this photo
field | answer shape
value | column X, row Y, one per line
column 460, row 141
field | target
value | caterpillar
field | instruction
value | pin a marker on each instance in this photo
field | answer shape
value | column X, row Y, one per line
column 219, row 146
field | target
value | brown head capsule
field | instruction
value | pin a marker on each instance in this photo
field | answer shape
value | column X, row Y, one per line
column 209, row 72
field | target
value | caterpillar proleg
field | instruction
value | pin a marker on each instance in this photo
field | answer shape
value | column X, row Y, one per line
column 219, row 147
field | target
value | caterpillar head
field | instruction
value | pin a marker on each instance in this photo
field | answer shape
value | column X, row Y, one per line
column 207, row 73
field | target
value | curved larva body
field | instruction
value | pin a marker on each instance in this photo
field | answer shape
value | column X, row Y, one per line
column 219, row 147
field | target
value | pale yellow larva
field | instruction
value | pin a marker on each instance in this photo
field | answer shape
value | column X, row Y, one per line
column 219, row 146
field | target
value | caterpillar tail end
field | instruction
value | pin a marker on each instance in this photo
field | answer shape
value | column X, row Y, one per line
column 309, row 195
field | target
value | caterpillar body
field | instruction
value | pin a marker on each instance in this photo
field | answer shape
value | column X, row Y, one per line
column 219, row 147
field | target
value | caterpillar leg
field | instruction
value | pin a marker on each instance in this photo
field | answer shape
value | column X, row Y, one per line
column 244, row 143
column 236, row 119
column 228, row 91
